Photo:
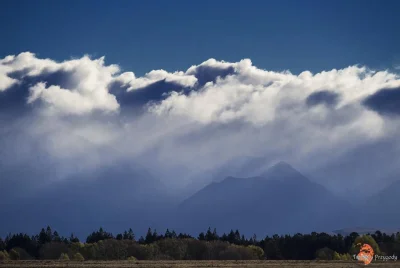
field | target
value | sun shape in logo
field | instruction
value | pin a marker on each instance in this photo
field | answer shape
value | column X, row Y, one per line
column 366, row 254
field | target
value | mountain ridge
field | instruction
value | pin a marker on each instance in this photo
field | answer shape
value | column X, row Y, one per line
column 235, row 199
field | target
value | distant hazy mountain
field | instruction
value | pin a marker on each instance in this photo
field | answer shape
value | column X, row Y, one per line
column 281, row 200
column 121, row 195
column 361, row 171
column 116, row 197
column 244, row 166
column 382, row 208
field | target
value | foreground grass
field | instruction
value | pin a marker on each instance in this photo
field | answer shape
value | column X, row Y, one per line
column 183, row 264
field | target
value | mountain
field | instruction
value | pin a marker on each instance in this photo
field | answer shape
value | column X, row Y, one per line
column 381, row 209
column 280, row 200
column 116, row 194
column 243, row 166
column 116, row 197
column 284, row 172
column 361, row 171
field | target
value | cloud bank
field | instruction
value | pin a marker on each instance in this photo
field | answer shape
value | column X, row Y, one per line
column 81, row 113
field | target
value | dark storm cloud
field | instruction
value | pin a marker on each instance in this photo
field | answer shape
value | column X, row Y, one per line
column 154, row 92
column 329, row 98
column 159, row 90
column 385, row 102
column 137, row 99
column 60, row 78
column 14, row 99
column 206, row 73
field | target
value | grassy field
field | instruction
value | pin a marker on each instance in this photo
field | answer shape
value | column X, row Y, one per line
column 183, row 264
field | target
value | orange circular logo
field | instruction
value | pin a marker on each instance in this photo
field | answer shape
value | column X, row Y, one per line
column 366, row 254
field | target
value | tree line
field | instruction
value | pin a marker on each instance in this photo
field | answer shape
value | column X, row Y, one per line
column 209, row 245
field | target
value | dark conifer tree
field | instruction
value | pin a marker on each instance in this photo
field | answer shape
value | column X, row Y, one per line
column 73, row 239
column 243, row 240
column 157, row 237
column 149, row 237
column 215, row 234
column 201, row 237
column 209, row 234
column 167, row 234
column 131, row 235
column 49, row 233
column 44, row 236
column 173, row 234
column 98, row 236
column 231, row 237
column 2, row 244
column 142, row 240
column 125, row 235
column 56, row 237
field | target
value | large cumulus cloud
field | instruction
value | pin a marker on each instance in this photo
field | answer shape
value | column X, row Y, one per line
column 81, row 86
column 260, row 96
column 81, row 112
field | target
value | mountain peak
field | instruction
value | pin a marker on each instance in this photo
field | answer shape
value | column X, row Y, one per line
column 282, row 167
column 282, row 164
column 283, row 171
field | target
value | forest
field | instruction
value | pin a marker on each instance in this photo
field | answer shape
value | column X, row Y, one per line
column 209, row 245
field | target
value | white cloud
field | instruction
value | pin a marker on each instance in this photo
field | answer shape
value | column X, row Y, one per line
column 5, row 80
column 260, row 96
column 213, row 63
column 178, row 78
column 65, row 101
column 87, row 82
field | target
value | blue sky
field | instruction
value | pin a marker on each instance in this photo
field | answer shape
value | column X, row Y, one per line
column 173, row 35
